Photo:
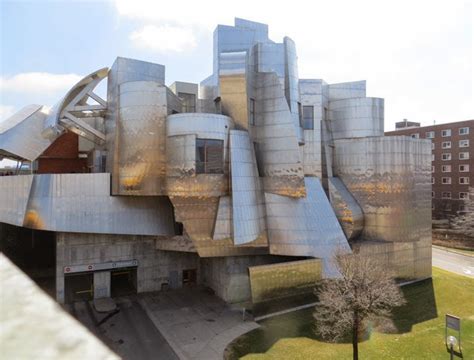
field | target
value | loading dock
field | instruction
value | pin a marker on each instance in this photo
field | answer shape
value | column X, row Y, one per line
column 123, row 281
column 79, row 287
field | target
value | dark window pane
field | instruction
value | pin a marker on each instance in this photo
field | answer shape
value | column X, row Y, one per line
column 209, row 156
column 308, row 117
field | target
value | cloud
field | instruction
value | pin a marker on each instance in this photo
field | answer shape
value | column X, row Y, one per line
column 39, row 83
column 164, row 38
column 6, row 111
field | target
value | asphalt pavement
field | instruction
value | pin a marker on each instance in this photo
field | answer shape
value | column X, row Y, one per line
column 453, row 262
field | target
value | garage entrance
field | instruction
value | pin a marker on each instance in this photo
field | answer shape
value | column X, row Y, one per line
column 189, row 277
column 123, row 281
column 78, row 287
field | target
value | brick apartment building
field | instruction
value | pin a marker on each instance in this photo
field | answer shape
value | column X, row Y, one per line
column 452, row 163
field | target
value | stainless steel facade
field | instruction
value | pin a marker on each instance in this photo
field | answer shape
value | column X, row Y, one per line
column 295, row 167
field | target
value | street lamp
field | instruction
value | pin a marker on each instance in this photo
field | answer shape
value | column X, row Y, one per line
column 452, row 342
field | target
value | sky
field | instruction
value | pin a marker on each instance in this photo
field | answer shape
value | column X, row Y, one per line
column 416, row 54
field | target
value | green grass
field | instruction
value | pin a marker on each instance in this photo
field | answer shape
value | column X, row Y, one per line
column 417, row 331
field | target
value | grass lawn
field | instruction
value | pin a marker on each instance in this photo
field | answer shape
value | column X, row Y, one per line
column 418, row 331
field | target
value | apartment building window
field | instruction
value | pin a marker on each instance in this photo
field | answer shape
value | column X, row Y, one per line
column 446, row 145
column 446, row 195
column 462, row 207
column 446, row 133
column 463, row 155
column 432, row 180
column 446, row 168
column 432, row 146
column 432, row 206
column 432, row 169
column 308, row 117
column 463, row 196
column 463, row 143
column 432, row 157
column 446, row 156
column 463, row 168
column 433, row 194
column 415, row 136
column 252, row 111
column 430, row 134
column 446, row 180
column 209, row 156
column 464, row 180
column 463, row 131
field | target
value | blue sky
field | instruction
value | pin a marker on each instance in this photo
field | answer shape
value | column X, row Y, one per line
column 418, row 55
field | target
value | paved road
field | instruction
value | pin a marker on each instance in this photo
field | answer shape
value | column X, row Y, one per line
column 130, row 333
column 454, row 262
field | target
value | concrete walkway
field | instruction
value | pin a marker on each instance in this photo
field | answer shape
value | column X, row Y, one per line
column 196, row 324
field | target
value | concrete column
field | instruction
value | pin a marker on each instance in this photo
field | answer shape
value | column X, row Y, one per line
column 101, row 284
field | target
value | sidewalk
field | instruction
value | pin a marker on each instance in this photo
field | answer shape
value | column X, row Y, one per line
column 197, row 325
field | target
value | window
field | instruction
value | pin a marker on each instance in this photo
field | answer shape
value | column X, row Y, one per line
column 463, row 168
column 446, row 133
column 448, row 207
column 189, row 102
column 446, row 144
column 462, row 207
column 308, row 117
column 432, row 146
column 209, row 156
column 446, row 168
column 415, row 136
column 430, row 135
column 432, row 180
column 446, row 180
column 433, row 194
column 464, row 180
column 252, row 111
column 446, row 195
column 432, row 169
column 432, row 206
column 432, row 157
column 463, row 131
column 258, row 158
column 463, row 143
column 300, row 114
column 463, row 155
column 446, row 156
column 464, row 196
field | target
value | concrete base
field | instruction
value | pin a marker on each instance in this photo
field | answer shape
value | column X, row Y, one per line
column 104, row 305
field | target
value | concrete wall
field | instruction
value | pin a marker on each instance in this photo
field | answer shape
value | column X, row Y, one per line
column 154, row 266
column 229, row 276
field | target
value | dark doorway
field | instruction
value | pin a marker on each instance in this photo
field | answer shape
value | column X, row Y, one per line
column 123, row 282
column 79, row 287
column 189, row 277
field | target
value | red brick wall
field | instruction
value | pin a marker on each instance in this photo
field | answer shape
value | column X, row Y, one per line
column 62, row 156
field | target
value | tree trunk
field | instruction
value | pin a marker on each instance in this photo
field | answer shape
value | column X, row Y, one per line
column 355, row 337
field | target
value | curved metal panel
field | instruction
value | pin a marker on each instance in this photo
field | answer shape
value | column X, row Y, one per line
column 14, row 194
column 358, row 117
column 82, row 203
column 140, row 144
column 347, row 90
column 248, row 206
column 347, row 210
column 223, row 225
column 390, row 177
column 20, row 134
column 305, row 226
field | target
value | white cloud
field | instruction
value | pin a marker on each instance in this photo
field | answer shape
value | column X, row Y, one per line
column 6, row 111
column 164, row 38
column 40, row 83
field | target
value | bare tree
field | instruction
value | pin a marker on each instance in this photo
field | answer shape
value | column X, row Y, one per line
column 366, row 289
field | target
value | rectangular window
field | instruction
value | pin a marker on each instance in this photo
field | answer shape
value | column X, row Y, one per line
column 308, row 117
column 300, row 114
column 464, row 180
column 446, row 145
column 209, row 156
column 446, row 168
column 430, row 135
column 252, row 111
column 446, row 156
column 432, row 169
column 462, row 207
column 432, row 157
column 463, row 155
column 433, row 194
column 463, row 131
column 463, row 143
column 432, row 180
column 188, row 101
column 432, row 146
column 446, row 180
column 446, row 195
column 463, row 168
column 464, row 196
column 415, row 136
column 432, row 206
column 446, row 133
